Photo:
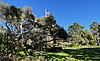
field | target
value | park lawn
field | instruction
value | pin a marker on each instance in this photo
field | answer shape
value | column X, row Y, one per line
column 91, row 53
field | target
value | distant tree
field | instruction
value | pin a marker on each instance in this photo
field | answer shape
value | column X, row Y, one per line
column 75, row 31
column 88, row 38
column 95, row 30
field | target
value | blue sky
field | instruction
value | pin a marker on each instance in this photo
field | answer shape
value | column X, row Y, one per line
column 66, row 12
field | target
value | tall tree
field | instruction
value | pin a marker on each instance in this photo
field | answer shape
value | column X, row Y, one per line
column 19, row 23
column 95, row 29
column 27, row 30
column 90, row 40
column 75, row 31
column 53, row 31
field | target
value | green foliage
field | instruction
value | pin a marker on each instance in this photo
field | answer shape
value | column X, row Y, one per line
column 22, row 53
column 95, row 29
column 75, row 31
column 24, row 31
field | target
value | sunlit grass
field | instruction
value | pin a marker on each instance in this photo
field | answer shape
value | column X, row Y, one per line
column 76, row 53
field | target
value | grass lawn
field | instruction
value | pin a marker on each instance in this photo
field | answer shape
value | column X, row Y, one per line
column 85, row 53
column 76, row 54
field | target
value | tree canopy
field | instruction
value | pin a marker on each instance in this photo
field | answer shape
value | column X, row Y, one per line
column 25, row 31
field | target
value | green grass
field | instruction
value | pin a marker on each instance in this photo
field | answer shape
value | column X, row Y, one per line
column 76, row 54
column 85, row 53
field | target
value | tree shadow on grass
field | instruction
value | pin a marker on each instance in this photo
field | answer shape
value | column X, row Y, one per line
column 84, row 53
column 54, row 56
